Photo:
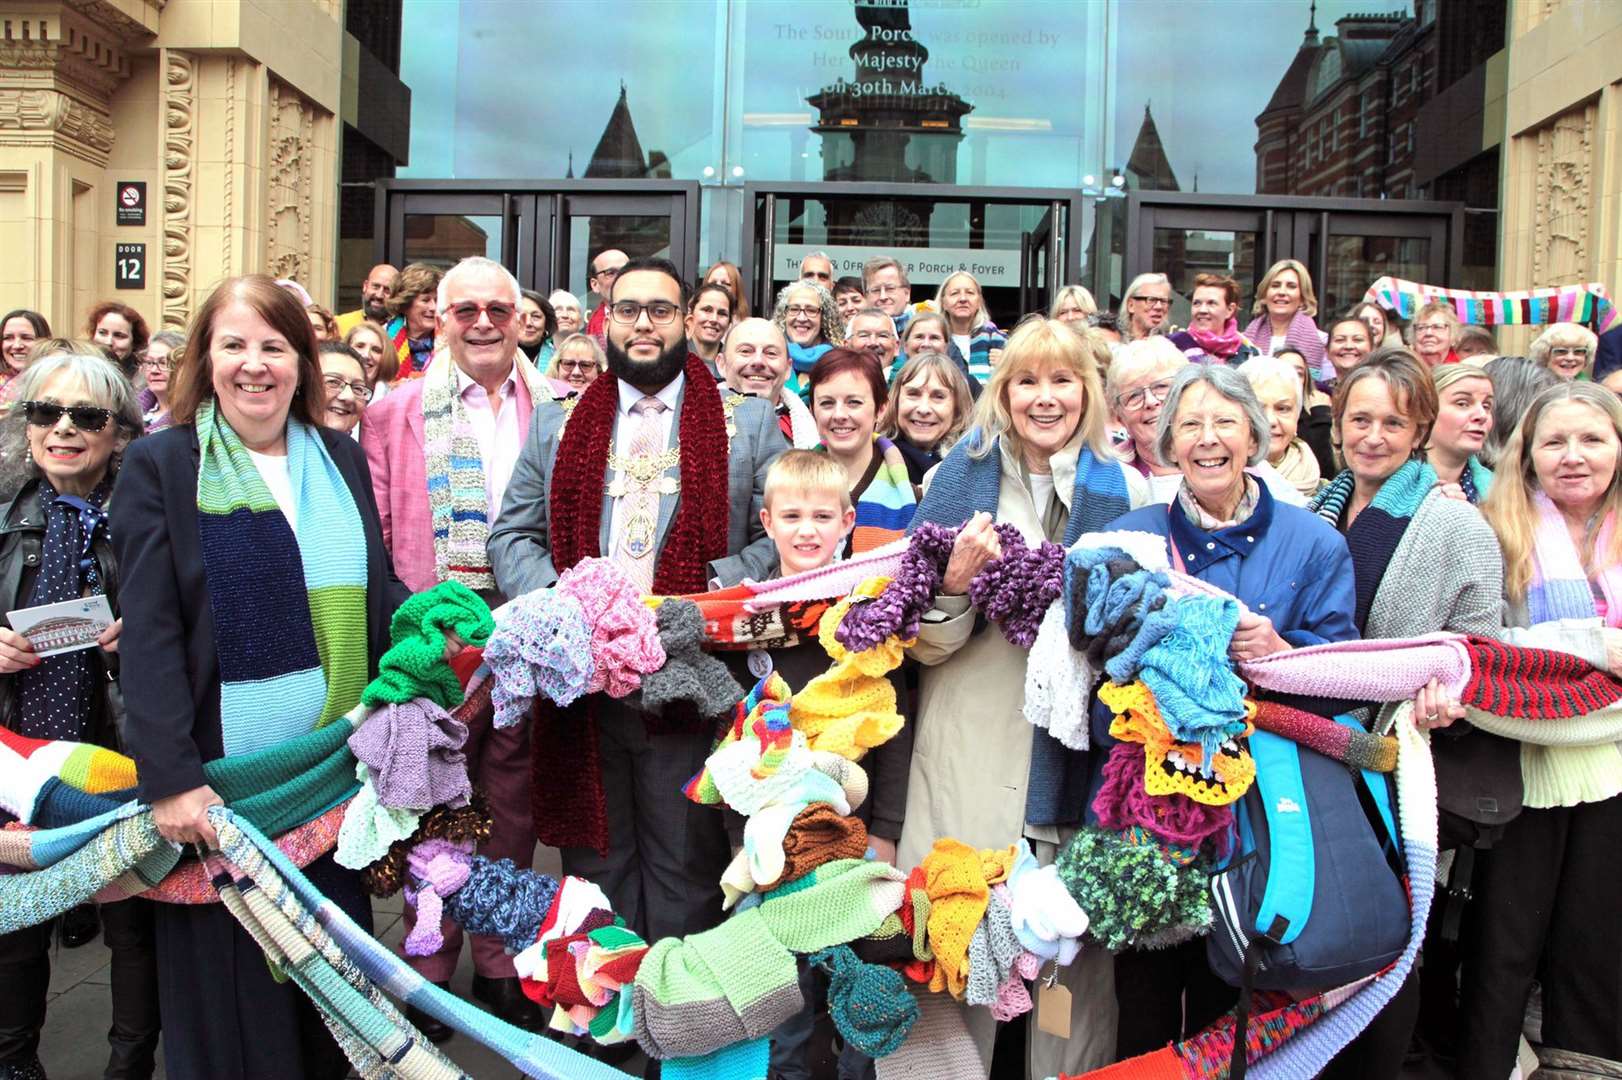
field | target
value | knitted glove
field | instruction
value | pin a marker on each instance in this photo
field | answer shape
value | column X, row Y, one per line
column 869, row 1005
column 1045, row 917
column 415, row 665
column 439, row 868
column 690, row 674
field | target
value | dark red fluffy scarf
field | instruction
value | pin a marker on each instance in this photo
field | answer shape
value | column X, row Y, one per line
column 567, row 788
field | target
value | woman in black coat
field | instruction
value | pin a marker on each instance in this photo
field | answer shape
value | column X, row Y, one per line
column 200, row 589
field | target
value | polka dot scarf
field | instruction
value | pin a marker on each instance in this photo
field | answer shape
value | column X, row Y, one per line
column 54, row 698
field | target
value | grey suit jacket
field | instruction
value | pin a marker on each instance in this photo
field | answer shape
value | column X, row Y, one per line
column 520, row 540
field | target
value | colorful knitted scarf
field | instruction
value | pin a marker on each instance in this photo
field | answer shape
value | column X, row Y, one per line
column 289, row 605
column 1302, row 335
column 1221, row 345
column 458, row 502
column 1586, row 304
column 884, row 508
column 567, row 788
column 1559, row 588
column 1374, row 536
column 414, row 356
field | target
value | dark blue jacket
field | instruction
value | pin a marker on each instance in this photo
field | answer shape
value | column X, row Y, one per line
column 1608, row 356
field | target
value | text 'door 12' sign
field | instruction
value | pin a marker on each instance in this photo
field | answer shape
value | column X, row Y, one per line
column 129, row 266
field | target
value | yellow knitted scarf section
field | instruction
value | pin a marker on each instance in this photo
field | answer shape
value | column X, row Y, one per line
column 1173, row 768
column 851, row 707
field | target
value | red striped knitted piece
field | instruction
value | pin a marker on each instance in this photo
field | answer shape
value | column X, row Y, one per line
column 1534, row 684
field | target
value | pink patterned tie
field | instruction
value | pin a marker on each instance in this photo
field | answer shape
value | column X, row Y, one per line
column 640, row 521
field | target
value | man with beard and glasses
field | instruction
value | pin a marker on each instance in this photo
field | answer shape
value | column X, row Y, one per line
column 374, row 300
column 475, row 399
column 685, row 466
column 755, row 360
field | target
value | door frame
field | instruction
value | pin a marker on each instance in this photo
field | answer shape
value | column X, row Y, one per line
column 1062, row 250
column 535, row 216
column 1286, row 225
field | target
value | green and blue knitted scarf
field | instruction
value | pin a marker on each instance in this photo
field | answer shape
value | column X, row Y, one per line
column 289, row 606
column 1374, row 536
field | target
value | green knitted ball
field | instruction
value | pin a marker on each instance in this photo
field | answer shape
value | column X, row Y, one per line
column 1134, row 894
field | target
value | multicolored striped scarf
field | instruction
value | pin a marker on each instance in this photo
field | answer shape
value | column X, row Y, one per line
column 1587, row 304
column 289, row 605
column 1559, row 588
column 1374, row 536
column 885, row 506
column 413, row 355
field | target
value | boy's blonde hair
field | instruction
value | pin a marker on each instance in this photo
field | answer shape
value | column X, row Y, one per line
column 808, row 471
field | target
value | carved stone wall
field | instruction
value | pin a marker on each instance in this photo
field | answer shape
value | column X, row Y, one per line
column 1561, row 227
column 289, row 174
column 179, row 119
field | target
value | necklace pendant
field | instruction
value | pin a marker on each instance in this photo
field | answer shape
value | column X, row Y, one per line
column 639, row 534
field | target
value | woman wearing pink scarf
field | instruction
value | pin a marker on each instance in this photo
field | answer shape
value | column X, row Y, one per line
column 1213, row 335
column 1284, row 307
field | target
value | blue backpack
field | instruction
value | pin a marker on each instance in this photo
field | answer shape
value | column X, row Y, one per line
column 1312, row 897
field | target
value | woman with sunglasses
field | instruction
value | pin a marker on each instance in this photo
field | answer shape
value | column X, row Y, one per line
column 154, row 367
column 59, row 451
column 217, row 522
column 576, row 365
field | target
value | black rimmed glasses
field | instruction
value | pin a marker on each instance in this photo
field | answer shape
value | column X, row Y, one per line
column 660, row 312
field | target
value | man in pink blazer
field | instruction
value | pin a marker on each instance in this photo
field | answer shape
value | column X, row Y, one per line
column 472, row 405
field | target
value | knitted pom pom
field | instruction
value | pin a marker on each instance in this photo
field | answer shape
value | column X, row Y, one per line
column 541, row 647
column 624, row 634
column 1122, row 803
column 1134, row 894
column 870, row 1005
column 502, row 900
column 1016, row 589
column 899, row 610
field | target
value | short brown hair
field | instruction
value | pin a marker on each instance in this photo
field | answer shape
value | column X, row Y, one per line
column 193, row 380
column 842, row 359
column 1411, row 386
column 1229, row 287
column 410, row 283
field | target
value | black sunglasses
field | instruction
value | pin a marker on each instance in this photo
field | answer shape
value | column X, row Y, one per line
column 49, row 414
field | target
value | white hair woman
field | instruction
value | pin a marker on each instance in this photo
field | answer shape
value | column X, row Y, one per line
column 811, row 324
column 1277, row 386
column 1035, row 457
column 1435, row 332
column 970, row 332
column 1566, row 349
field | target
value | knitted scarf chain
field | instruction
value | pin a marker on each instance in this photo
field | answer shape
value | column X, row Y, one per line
column 698, row 533
column 458, row 503
column 1559, row 587
column 289, row 607
column 567, row 785
column 1374, row 536
column 1222, row 344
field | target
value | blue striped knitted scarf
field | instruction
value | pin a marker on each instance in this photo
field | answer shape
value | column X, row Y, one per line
column 1056, row 792
column 289, row 605
column 1374, row 536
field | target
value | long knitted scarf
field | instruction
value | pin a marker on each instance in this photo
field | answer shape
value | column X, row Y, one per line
column 886, row 505
column 289, row 605
column 414, row 356
column 1301, row 335
column 1587, row 304
column 1221, row 345
column 458, row 499
column 1559, row 588
column 985, row 338
column 567, row 788
column 964, row 486
column 1374, row 536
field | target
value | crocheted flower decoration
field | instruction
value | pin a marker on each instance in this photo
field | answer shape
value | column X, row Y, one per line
column 1176, row 768
column 542, row 645
column 899, row 610
column 1015, row 590
column 1134, row 894
column 624, row 633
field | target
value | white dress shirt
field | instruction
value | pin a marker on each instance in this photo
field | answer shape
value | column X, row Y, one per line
column 629, row 396
column 495, row 430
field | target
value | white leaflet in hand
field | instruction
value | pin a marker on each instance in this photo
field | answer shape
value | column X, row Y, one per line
column 63, row 626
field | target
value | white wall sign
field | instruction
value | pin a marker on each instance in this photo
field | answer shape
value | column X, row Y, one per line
column 925, row 266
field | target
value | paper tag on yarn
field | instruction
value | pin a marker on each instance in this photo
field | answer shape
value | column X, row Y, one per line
column 1053, row 1010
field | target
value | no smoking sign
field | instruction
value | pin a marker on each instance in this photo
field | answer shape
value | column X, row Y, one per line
column 131, row 202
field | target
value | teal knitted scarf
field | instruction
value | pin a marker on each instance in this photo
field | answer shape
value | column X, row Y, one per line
column 1374, row 536
column 289, row 605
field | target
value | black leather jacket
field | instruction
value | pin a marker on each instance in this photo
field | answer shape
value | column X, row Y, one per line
column 22, row 536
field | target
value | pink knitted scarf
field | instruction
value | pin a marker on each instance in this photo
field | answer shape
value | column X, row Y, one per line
column 1222, row 344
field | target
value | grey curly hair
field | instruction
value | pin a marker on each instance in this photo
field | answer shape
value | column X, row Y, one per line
column 833, row 327
column 104, row 384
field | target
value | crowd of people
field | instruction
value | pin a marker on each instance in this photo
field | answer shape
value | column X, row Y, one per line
column 257, row 495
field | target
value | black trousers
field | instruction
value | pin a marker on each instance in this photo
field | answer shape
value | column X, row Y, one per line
column 1379, row 1050
column 1165, row 995
column 666, row 853
column 25, row 980
column 1546, row 907
column 225, row 1017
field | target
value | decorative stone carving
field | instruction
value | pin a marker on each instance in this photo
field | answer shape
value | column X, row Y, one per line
column 290, row 175
column 230, row 128
column 50, row 115
column 179, row 175
column 1560, row 216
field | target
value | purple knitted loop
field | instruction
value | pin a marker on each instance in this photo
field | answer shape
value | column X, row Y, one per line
column 1122, row 802
column 1016, row 589
column 899, row 609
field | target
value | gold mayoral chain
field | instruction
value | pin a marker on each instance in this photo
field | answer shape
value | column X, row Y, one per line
column 644, row 477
